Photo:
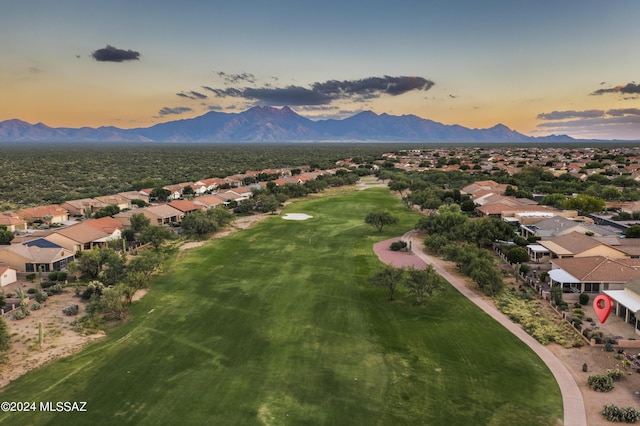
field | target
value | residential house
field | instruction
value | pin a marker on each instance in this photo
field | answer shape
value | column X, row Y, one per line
column 33, row 255
column 12, row 221
column 629, row 246
column 627, row 303
column 79, row 237
column 209, row 201
column 185, row 206
column 211, row 183
column 115, row 200
column 177, row 189
column 108, row 225
column 593, row 274
column 84, row 207
column 575, row 244
column 486, row 185
column 7, row 275
column 162, row 214
column 49, row 214
column 135, row 195
column 557, row 225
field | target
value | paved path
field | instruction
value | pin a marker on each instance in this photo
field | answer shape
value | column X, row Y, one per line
column 573, row 404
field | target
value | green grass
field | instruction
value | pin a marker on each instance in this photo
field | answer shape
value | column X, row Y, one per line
column 278, row 325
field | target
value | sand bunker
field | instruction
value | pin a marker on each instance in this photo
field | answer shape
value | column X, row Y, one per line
column 296, row 216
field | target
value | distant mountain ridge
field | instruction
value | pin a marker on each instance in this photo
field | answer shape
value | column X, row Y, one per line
column 270, row 124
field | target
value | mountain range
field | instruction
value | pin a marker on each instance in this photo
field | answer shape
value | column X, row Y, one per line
column 270, row 124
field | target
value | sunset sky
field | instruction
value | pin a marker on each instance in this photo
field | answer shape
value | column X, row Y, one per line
column 539, row 67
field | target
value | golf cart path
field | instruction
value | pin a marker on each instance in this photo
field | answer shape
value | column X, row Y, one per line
column 572, row 401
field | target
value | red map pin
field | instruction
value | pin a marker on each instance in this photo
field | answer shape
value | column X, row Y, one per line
column 602, row 304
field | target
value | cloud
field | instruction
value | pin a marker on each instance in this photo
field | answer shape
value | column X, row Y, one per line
column 623, row 112
column 628, row 89
column 192, row 95
column 112, row 54
column 174, row 111
column 234, row 78
column 563, row 115
column 623, row 123
column 324, row 93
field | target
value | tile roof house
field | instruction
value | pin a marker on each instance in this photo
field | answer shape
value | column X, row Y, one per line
column 108, row 225
column 82, row 207
column 211, row 183
column 115, row 200
column 557, row 225
column 575, row 244
column 593, row 274
column 52, row 213
column 135, row 195
column 12, row 221
column 162, row 214
column 209, row 201
column 32, row 255
column 79, row 237
column 185, row 206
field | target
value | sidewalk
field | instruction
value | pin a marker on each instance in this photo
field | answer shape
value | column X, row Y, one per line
column 573, row 404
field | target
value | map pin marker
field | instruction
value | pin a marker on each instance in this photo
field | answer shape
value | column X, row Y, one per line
column 602, row 304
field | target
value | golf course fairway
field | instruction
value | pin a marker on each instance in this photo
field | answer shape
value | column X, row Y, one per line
column 278, row 324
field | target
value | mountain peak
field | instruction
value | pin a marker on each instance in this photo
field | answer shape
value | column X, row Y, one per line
column 273, row 124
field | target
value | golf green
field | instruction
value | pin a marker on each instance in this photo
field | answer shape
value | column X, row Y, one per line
column 278, row 324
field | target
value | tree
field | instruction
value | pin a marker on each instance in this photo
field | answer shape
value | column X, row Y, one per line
column 633, row 232
column 156, row 235
column 88, row 262
column 268, row 203
column 468, row 206
column 380, row 219
column 585, row 203
column 5, row 237
column 160, row 194
column 139, row 221
column 421, row 282
column 399, row 185
column 388, row 277
column 107, row 211
column 517, row 255
column 110, row 304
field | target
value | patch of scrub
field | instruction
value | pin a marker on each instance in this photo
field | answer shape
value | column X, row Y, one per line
column 296, row 216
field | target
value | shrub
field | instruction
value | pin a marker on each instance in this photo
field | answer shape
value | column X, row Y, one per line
column 584, row 367
column 48, row 284
column 18, row 315
column 41, row 296
column 608, row 347
column 615, row 374
column 31, row 277
column 578, row 313
column 615, row 414
column 398, row 245
column 53, row 276
column 563, row 306
column 600, row 382
column 35, row 306
column 31, row 291
column 525, row 269
column 584, row 298
column 70, row 310
column 55, row 289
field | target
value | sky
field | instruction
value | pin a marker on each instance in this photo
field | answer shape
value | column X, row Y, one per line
column 539, row 67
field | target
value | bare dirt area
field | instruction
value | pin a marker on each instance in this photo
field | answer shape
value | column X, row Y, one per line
column 598, row 361
column 59, row 337
column 239, row 224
